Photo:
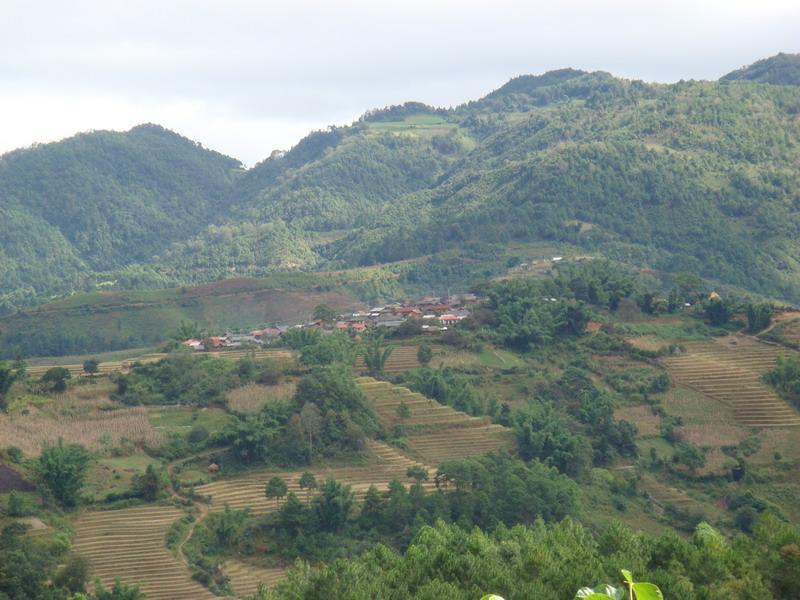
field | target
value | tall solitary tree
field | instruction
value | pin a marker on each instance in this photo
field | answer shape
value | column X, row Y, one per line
column 91, row 367
column 308, row 483
column 62, row 469
column 376, row 355
column 56, row 378
column 276, row 488
column 324, row 313
column 424, row 355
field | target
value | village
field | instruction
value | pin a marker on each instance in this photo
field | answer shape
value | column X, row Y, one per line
column 432, row 314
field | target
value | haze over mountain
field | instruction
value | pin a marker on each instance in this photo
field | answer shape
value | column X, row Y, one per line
column 694, row 176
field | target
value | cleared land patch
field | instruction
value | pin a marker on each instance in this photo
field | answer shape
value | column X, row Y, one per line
column 245, row 578
column 32, row 431
column 667, row 496
column 402, row 358
column 11, row 481
column 729, row 370
column 253, row 396
column 106, row 368
column 642, row 416
column 129, row 544
column 444, row 433
column 248, row 491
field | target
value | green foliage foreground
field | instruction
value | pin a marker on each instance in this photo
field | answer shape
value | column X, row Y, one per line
column 554, row 560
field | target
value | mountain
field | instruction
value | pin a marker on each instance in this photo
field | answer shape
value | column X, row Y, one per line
column 696, row 176
column 101, row 201
column 781, row 69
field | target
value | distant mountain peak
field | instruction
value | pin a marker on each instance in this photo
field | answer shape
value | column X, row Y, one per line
column 527, row 83
column 781, row 69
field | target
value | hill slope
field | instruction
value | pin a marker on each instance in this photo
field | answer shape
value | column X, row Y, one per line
column 693, row 176
column 781, row 69
column 100, row 201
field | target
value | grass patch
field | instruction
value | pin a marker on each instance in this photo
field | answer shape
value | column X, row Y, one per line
column 183, row 418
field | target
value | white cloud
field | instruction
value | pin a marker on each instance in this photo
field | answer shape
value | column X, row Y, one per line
column 245, row 77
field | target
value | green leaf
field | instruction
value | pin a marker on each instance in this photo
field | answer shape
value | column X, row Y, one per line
column 628, row 576
column 604, row 592
column 491, row 597
column 647, row 591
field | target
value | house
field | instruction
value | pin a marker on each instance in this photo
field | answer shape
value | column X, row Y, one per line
column 216, row 341
column 450, row 319
column 342, row 326
column 360, row 326
column 407, row 311
column 268, row 333
column 194, row 344
column 389, row 321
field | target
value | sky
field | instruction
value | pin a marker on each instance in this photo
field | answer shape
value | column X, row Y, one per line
column 246, row 77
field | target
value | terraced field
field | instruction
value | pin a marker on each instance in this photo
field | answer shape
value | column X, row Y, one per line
column 105, row 368
column 402, row 358
column 248, row 491
column 129, row 544
column 729, row 370
column 445, row 433
column 665, row 496
column 245, row 578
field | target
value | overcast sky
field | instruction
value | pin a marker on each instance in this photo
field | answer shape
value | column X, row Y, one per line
column 247, row 77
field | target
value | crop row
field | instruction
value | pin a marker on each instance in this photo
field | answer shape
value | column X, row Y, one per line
column 248, row 491
column 129, row 544
column 732, row 374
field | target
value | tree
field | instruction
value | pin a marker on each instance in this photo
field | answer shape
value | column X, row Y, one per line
column 149, row 485
column 91, row 367
column 276, row 488
column 74, row 574
column 252, row 435
column 333, row 505
column 119, row 591
column 20, row 368
column 402, row 411
column 308, row 483
column 62, row 469
column 418, row 473
column 189, row 331
column 718, row 311
column 56, row 378
column 311, row 422
column 424, row 355
column 376, row 355
column 227, row 525
column 293, row 516
column 759, row 316
column 7, row 378
column 324, row 313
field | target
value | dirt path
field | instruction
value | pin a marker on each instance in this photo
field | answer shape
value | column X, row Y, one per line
column 202, row 513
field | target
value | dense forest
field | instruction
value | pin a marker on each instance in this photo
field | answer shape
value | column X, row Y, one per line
column 694, row 176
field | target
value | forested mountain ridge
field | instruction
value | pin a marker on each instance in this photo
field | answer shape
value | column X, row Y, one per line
column 100, row 201
column 694, row 176
column 781, row 69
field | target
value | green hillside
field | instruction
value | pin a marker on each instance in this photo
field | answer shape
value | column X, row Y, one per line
column 101, row 201
column 694, row 177
column 781, row 69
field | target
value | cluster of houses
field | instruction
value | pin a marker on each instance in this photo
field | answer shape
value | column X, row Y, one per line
column 434, row 314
